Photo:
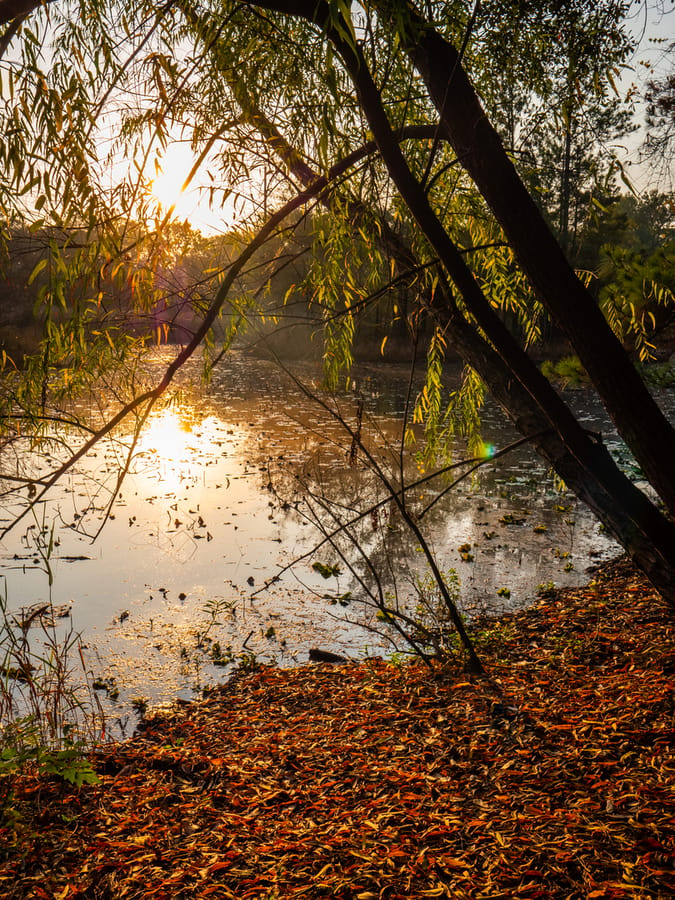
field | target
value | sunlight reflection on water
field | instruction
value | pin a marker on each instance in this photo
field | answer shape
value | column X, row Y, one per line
column 209, row 513
column 167, row 434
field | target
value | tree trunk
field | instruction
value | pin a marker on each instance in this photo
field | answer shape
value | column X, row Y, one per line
column 565, row 178
column 635, row 413
column 530, row 400
column 581, row 461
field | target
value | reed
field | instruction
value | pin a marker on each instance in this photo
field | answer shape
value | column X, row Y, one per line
column 50, row 717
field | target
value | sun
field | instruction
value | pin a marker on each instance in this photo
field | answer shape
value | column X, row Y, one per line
column 169, row 188
column 181, row 195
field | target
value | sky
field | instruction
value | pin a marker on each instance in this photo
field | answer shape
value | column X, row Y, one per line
column 192, row 203
column 654, row 27
column 656, row 31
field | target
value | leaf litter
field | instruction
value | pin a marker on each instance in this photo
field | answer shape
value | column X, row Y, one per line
column 552, row 778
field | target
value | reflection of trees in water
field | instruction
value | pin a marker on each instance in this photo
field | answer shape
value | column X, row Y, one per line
column 520, row 530
column 371, row 524
column 265, row 421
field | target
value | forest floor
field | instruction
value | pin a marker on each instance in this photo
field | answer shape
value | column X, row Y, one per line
column 554, row 777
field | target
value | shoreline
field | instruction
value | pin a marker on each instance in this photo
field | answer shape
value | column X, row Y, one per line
column 554, row 777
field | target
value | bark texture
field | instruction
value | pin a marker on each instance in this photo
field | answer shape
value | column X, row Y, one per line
column 635, row 413
column 515, row 381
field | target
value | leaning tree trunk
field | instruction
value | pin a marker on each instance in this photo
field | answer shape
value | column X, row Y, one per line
column 532, row 403
column 581, row 460
column 530, row 400
column 635, row 413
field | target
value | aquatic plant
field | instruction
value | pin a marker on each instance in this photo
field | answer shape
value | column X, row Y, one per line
column 49, row 714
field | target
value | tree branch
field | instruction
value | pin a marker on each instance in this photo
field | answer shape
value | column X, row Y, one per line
column 15, row 9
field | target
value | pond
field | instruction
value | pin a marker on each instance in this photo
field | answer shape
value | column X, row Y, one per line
column 207, row 553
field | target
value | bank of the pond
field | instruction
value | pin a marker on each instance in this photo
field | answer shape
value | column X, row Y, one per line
column 555, row 778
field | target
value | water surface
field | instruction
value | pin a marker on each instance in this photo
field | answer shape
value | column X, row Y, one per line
column 211, row 512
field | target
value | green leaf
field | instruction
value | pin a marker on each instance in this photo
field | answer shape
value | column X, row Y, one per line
column 36, row 271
